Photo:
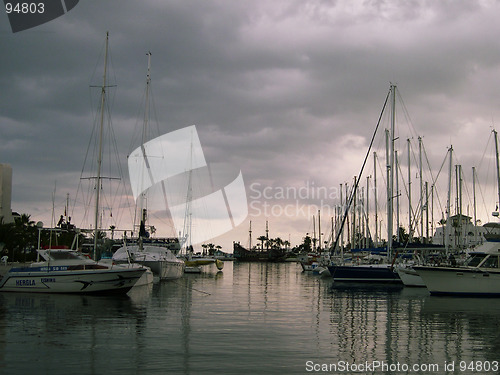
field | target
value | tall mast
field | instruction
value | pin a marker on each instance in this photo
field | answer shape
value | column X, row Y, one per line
column 99, row 157
column 142, row 211
column 250, row 236
column 396, row 166
column 410, row 230
column 361, row 221
column 347, row 216
column 474, row 197
column 390, row 174
column 460, row 208
column 448, row 202
column 354, row 207
column 189, row 196
column 388, row 191
column 421, row 190
column 319, row 230
column 367, row 205
column 432, row 210
column 267, row 235
column 498, row 164
column 426, row 212
column 66, row 209
column 146, row 112
column 341, row 212
column 375, row 195
column 332, row 229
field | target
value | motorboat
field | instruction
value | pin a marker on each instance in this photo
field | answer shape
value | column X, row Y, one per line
column 194, row 263
column 479, row 276
column 69, row 271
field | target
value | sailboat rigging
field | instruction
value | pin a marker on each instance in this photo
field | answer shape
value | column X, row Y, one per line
column 160, row 259
column 69, row 271
column 380, row 272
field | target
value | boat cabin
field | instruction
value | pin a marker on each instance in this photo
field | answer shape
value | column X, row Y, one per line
column 482, row 260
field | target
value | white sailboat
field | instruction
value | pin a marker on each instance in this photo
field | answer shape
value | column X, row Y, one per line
column 69, row 271
column 160, row 259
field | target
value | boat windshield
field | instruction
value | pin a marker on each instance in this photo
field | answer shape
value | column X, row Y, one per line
column 64, row 255
column 491, row 262
column 474, row 260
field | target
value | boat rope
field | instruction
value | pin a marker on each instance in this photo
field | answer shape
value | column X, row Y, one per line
column 192, row 288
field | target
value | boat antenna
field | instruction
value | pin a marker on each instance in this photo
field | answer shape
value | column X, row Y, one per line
column 353, row 192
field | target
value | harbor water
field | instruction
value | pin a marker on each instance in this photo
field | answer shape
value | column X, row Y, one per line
column 252, row 318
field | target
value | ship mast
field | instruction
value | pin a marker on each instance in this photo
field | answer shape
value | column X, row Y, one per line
column 142, row 210
column 390, row 174
column 99, row 157
column 497, row 164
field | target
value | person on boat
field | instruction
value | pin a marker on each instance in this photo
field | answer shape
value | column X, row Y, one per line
column 452, row 260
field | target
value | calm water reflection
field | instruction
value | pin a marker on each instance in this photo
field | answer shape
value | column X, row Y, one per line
column 250, row 319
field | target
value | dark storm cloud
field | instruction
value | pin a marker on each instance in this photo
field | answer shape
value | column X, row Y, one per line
column 287, row 91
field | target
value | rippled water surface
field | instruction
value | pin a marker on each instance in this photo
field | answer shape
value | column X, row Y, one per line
column 249, row 319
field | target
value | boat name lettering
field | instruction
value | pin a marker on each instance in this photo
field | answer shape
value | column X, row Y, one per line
column 25, row 283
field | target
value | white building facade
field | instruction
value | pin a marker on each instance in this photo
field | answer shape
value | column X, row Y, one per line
column 6, row 193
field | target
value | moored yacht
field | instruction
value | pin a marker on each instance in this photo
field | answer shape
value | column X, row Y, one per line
column 369, row 273
column 69, row 271
column 479, row 276
column 159, row 259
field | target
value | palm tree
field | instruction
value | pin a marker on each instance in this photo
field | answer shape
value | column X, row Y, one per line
column 6, row 237
column 262, row 239
column 18, row 236
column 204, row 246
column 278, row 243
column 211, row 249
column 306, row 245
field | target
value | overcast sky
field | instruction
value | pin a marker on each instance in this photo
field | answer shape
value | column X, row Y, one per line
column 287, row 91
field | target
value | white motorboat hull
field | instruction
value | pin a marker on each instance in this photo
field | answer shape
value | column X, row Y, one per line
column 165, row 269
column 146, row 278
column 460, row 281
column 409, row 276
column 159, row 259
column 57, row 279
